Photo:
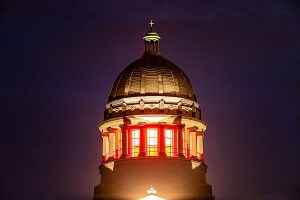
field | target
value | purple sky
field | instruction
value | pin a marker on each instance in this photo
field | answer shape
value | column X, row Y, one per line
column 59, row 60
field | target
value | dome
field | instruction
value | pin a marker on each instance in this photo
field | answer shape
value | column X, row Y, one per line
column 152, row 75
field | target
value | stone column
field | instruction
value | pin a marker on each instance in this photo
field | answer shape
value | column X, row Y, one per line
column 161, row 140
column 111, row 138
column 124, row 141
column 129, row 140
column 105, row 147
column 116, row 144
column 200, row 145
column 180, row 142
column 187, row 138
column 112, row 142
column 119, row 142
column 142, row 152
column 175, row 142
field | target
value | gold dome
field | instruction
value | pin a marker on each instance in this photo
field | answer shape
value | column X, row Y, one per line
column 152, row 75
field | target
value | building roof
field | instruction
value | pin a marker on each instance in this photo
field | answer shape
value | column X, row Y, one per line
column 152, row 75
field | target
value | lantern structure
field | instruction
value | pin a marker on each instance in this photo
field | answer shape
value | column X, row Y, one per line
column 152, row 132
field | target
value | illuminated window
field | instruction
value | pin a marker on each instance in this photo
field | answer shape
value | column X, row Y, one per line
column 152, row 138
column 135, row 143
column 193, row 150
column 169, row 142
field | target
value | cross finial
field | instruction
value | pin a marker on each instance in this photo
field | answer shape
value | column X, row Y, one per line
column 151, row 23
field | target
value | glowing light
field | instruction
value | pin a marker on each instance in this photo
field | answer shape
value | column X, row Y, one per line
column 135, row 142
column 169, row 142
column 151, row 38
column 152, row 142
column 151, row 192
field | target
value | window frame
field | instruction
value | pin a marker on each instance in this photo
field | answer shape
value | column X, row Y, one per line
column 135, row 137
column 152, row 149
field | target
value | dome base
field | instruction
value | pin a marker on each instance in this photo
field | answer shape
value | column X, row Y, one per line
column 173, row 178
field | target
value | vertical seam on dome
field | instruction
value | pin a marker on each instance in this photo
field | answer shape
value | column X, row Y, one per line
column 126, row 89
column 175, row 83
column 160, row 81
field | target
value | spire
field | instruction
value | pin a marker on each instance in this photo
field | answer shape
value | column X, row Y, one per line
column 151, row 41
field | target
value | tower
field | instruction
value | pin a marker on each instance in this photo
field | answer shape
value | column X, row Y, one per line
column 152, row 133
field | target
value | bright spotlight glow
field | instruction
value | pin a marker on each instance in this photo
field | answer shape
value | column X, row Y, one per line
column 151, row 195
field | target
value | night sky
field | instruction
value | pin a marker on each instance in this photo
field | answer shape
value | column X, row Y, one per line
column 59, row 60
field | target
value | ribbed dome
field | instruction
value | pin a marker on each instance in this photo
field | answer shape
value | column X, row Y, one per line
column 152, row 75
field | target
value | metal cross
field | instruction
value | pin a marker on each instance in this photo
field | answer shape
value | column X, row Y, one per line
column 151, row 23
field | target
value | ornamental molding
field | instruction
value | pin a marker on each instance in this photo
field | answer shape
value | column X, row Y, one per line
column 151, row 99
column 152, row 105
column 117, row 109
column 171, row 107
column 132, row 107
column 195, row 164
column 186, row 108
column 110, row 165
column 135, row 119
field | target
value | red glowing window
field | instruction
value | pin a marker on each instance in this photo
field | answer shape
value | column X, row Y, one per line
column 169, row 142
column 135, row 143
column 152, row 141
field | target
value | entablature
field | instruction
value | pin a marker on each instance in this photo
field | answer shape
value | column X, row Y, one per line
column 162, row 105
column 141, row 120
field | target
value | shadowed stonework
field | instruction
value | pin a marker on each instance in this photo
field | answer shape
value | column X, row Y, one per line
column 130, row 178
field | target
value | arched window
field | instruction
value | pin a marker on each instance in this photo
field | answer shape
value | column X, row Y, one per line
column 169, row 142
column 135, row 143
column 152, row 141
